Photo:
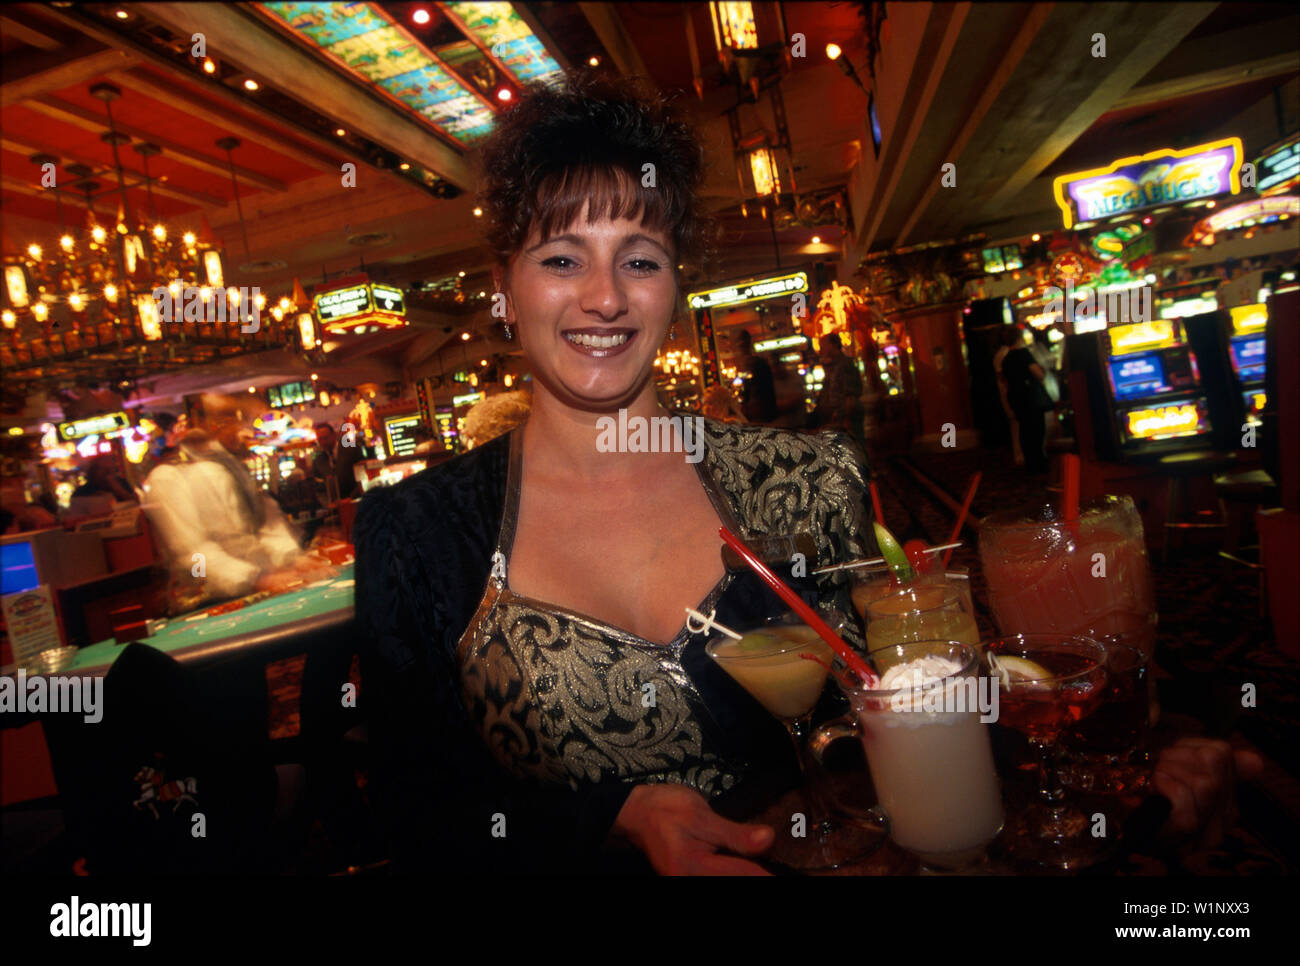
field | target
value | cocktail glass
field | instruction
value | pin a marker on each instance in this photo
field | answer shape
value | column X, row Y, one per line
column 873, row 584
column 922, row 611
column 1048, row 683
column 1089, row 577
column 770, row 664
column 929, row 755
column 1107, row 752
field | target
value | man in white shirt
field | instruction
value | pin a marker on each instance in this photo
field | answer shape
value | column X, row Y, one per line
column 208, row 504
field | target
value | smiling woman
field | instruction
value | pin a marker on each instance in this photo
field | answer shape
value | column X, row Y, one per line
column 535, row 695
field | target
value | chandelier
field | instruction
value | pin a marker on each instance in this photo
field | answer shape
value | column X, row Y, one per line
column 126, row 295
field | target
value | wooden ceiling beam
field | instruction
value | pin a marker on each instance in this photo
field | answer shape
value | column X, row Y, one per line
column 56, row 69
column 217, row 102
column 210, row 113
column 248, row 42
column 22, row 144
column 613, row 35
column 59, row 110
column 28, row 34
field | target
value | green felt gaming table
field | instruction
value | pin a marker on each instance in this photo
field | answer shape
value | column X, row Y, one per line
column 322, row 607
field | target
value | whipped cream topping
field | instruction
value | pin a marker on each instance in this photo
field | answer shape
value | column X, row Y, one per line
column 918, row 673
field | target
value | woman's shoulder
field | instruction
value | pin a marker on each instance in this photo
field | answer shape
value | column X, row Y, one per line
column 453, row 493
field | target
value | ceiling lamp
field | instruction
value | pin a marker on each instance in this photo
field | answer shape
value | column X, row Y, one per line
column 130, row 295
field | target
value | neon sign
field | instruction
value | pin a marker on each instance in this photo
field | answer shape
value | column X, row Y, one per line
column 1248, row 318
column 1162, row 177
column 1155, row 334
column 104, row 425
column 761, row 288
column 1259, row 211
column 353, row 304
column 1165, row 422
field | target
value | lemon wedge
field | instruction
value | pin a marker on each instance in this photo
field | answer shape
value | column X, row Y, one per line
column 1022, row 669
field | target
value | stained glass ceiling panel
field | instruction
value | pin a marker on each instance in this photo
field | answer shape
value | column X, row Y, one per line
column 379, row 52
column 498, row 28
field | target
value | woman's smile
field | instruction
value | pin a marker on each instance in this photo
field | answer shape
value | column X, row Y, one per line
column 600, row 343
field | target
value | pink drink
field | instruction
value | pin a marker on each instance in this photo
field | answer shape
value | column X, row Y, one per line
column 1091, row 578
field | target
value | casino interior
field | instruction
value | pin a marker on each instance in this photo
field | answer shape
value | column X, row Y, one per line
column 247, row 237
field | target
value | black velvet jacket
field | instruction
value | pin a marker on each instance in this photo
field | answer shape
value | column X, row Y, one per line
column 423, row 550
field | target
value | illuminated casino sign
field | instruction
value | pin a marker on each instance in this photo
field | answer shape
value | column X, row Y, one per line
column 1168, row 422
column 1161, row 177
column 359, row 305
column 753, row 291
column 1156, row 334
column 102, row 425
column 1278, row 169
column 1261, row 211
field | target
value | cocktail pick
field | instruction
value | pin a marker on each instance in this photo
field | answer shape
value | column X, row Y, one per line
column 961, row 517
column 855, row 564
column 707, row 623
column 999, row 670
column 810, row 616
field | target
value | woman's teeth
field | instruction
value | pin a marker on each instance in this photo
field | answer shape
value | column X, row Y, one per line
column 596, row 341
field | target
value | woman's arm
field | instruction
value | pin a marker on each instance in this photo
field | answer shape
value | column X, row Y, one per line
column 443, row 799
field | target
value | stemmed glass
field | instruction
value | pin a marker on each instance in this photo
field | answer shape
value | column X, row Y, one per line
column 1046, row 684
column 770, row 664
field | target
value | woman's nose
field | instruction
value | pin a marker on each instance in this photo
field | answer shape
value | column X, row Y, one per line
column 603, row 293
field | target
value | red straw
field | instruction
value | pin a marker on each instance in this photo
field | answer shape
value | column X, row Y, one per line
column 875, row 503
column 961, row 517
column 1070, row 494
column 809, row 615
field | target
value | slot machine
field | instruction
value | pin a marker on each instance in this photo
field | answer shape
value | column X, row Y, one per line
column 1156, row 400
column 1246, row 345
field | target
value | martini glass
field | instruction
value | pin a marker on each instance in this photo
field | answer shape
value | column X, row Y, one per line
column 1047, row 684
column 784, row 667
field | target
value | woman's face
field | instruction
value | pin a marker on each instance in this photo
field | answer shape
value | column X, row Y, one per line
column 592, row 306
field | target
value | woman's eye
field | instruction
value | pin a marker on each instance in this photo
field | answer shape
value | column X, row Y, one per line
column 643, row 266
column 562, row 262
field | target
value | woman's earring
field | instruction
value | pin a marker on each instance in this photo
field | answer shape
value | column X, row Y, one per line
column 510, row 336
column 672, row 330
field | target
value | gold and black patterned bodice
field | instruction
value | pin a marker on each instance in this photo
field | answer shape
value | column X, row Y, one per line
column 562, row 697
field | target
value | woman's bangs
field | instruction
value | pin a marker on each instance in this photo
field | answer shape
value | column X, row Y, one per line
column 604, row 192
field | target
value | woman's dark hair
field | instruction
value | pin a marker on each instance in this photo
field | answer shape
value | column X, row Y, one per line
column 590, row 139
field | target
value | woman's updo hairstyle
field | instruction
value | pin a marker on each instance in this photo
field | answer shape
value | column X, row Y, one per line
column 590, row 139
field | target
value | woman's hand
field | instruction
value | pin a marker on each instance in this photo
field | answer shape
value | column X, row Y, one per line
column 1198, row 776
column 681, row 835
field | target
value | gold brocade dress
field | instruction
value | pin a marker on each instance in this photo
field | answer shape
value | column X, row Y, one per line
column 560, row 697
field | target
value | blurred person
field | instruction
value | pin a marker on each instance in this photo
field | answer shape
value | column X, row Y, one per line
column 720, row 404
column 102, row 479
column 207, row 503
column 791, row 412
column 839, row 404
column 426, row 441
column 1029, row 400
column 335, row 464
column 758, row 401
column 1009, row 339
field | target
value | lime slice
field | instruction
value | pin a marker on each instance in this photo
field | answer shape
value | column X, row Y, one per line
column 758, row 641
column 893, row 554
column 1023, row 669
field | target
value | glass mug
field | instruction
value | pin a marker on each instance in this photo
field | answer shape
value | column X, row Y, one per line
column 930, row 757
column 924, row 611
